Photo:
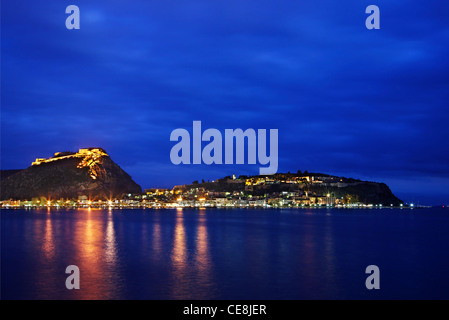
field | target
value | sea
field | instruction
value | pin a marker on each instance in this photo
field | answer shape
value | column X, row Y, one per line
column 221, row 254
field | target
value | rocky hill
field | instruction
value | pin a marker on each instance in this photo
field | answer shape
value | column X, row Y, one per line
column 6, row 173
column 89, row 172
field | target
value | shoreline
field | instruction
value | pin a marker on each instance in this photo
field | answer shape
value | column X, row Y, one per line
column 365, row 207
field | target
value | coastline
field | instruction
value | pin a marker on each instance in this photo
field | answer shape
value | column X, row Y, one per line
column 317, row 207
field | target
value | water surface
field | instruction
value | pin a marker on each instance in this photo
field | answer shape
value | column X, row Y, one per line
column 225, row 254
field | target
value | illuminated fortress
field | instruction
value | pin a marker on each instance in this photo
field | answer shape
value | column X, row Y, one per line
column 90, row 157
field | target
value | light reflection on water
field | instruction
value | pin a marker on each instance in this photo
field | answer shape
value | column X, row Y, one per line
column 48, row 246
column 203, row 260
column 214, row 254
column 92, row 253
column 157, row 238
column 110, row 242
column 179, row 259
column 194, row 271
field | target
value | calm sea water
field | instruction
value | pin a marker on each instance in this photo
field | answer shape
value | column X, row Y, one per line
column 225, row 254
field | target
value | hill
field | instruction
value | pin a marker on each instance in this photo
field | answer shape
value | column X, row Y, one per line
column 304, row 187
column 6, row 173
column 89, row 172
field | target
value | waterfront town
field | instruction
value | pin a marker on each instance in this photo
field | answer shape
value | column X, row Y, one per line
column 269, row 191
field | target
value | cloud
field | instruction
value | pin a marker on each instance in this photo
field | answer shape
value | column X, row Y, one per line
column 345, row 100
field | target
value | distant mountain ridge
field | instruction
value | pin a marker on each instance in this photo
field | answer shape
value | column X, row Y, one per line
column 89, row 172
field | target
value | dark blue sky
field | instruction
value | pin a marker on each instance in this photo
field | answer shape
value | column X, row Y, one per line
column 347, row 101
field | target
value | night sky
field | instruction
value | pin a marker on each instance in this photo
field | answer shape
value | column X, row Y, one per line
column 368, row 104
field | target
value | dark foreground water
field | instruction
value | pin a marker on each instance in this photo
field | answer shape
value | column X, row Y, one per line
column 225, row 254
